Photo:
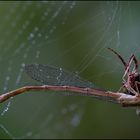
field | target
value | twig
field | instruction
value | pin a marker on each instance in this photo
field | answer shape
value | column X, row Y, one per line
column 123, row 99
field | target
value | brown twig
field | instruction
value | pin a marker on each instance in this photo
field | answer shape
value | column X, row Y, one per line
column 123, row 99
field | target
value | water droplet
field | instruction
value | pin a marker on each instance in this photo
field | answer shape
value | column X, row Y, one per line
column 39, row 34
column 7, row 78
column 29, row 134
column 63, row 22
column 33, row 42
column 14, row 24
column 36, row 28
column 20, row 32
column 32, row 15
column 64, row 111
column 75, row 120
column 6, row 131
column 46, row 36
column 48, row 77
column 25, row 55
column 37, row 54
column 23, row 64
column 6, row 108
column 72, row 107
column 46, row 14
column 31, row 35
column 57, row 77
column 73, row 4
column 5, row 88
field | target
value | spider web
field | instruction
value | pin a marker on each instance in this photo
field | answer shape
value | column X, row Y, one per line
column 75, row 36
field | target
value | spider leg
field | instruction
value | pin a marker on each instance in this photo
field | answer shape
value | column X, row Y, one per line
column 136, row 63
column 133, row 91
column 127, row 84
column 129, row 88
column 119, row 56
column 122, row 89
column 137, row 89
column 127, row 67
column 124, row 63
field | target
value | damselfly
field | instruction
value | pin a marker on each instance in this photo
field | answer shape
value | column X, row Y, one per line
column 57, row 79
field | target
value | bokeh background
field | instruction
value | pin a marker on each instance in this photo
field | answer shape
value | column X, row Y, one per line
column 75, row 36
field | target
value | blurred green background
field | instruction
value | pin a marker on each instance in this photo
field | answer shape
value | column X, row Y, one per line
column 73, row 35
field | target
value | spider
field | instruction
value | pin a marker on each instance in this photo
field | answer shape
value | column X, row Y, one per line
column 131, row 77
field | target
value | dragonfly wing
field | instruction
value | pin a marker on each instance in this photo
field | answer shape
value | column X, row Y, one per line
column 50, row 75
